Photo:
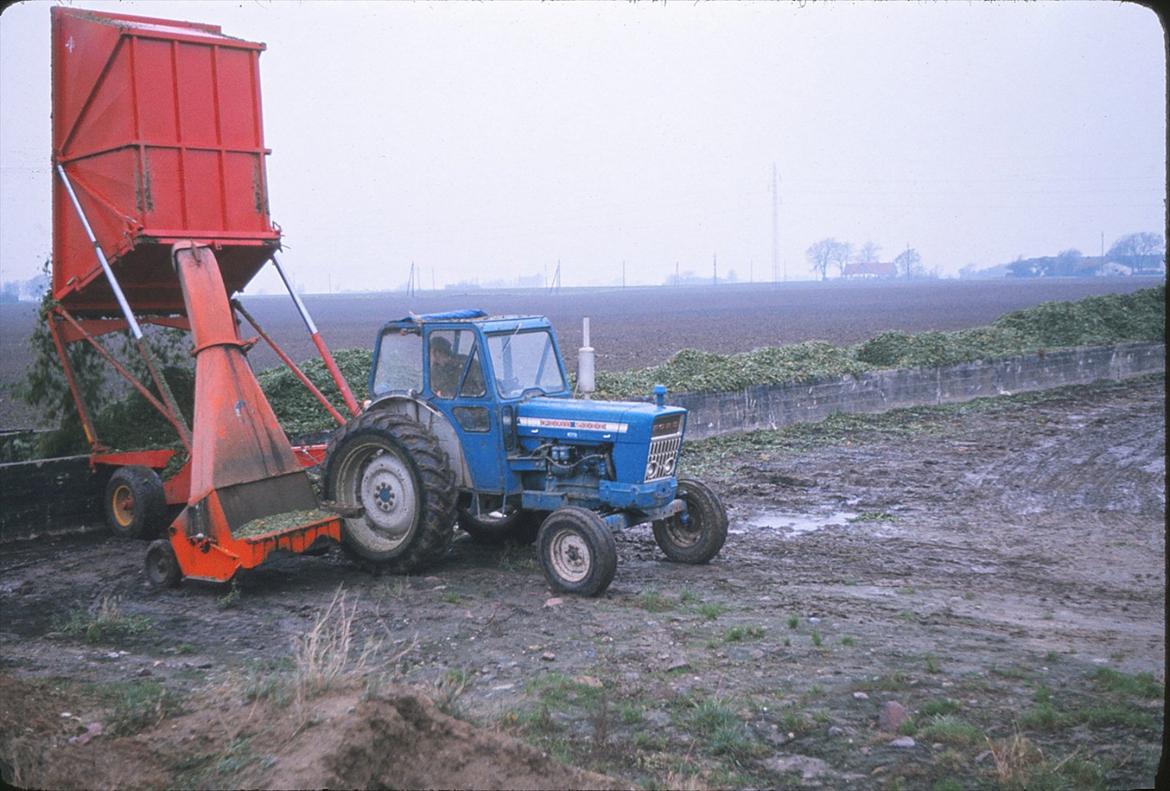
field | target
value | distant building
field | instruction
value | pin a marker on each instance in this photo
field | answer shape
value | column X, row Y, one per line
column 1113, row 269
column 870, row 270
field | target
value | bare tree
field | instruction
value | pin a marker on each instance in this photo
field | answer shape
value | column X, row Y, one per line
column 868, row 253
column 1134, row 248
column 826, row 252
column 908, row 263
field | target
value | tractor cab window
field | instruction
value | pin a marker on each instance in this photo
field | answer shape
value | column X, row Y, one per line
column 399, row 362
column 525, row 361
column 455, row 367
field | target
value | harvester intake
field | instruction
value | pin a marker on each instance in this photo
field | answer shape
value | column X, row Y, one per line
column 240, row 457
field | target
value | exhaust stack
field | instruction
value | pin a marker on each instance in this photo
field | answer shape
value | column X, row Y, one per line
column 586, row 382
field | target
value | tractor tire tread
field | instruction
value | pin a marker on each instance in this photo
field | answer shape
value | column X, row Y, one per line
column 597, row 535
column 437, row 484
column 713, row 520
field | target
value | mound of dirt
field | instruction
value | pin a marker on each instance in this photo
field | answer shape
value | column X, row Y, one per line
column 51, row 737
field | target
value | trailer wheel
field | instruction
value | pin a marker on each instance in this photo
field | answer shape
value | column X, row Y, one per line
column 517, row 527
column 394, row 470
column 577, row 551
column 162, row 567
column 136, row 505
column 698, row 535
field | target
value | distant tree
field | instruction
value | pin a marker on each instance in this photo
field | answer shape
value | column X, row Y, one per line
column 841, row 257
column 867, row 253
column 908, row 263
column 1139, row 249
column 826, row 252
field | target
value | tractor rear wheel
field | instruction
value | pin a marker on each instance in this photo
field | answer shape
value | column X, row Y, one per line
column 136, row 505
column 517, row 527
column 393, row 469
column 577, row 551
column 698, row 535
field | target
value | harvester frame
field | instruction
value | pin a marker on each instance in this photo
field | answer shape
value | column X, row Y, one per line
column 160, row 212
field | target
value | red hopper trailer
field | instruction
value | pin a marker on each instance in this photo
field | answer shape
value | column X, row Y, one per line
column 160, row 214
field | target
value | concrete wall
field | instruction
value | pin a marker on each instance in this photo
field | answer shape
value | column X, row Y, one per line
column 64, row 496
column 772, row 406
column 50, row 496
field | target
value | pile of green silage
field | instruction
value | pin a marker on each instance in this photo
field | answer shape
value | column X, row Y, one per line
column 299, row 412
column 1139, row 316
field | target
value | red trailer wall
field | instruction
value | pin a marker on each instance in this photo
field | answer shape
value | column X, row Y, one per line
column 158, row 126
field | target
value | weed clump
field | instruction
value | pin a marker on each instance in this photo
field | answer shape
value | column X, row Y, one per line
column 106, row 622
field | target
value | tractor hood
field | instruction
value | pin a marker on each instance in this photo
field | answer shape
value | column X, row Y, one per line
column 586, row 422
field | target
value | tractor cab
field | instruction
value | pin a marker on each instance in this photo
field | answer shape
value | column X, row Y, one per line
column 467, row 355
column 473, row 369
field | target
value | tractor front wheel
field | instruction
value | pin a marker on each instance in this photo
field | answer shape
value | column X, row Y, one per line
column 392, row 470
column 136, row 505
column 697, row 535
column 577, row 551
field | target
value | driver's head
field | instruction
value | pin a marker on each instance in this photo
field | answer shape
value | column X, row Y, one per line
column 440, row 348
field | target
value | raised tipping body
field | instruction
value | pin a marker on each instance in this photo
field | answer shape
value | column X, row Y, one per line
column 157, row 127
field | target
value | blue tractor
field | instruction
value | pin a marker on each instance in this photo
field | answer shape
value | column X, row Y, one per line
column 472, row 421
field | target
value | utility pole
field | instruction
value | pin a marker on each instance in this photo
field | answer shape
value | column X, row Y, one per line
column 677, row 281
column 555, row 286
column 776, row 225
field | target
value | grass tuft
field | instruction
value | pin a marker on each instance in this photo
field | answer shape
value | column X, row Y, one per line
column 327, row 652
column 104, row 623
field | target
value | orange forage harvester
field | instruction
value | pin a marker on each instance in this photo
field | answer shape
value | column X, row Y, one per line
column 160, row 214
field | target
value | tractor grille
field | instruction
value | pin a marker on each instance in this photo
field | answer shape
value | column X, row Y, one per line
column 663, row 457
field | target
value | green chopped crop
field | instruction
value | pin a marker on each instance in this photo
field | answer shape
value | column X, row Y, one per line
column 1115, row 318
column 279, row 522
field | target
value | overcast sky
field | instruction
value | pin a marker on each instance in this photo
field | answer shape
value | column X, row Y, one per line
column 488, row 140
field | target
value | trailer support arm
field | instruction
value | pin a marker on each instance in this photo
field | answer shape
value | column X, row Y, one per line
column 342, row 385
column 176, row 417
column 284, row 358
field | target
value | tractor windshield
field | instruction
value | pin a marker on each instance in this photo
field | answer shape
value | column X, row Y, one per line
column 399, row 363
column 525, row 360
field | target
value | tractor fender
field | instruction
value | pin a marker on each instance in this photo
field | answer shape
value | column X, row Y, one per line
column 436, row 423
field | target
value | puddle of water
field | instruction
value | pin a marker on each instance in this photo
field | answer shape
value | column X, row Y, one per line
column 798, row 524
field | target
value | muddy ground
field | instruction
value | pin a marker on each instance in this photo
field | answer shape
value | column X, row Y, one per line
column 994, row 569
